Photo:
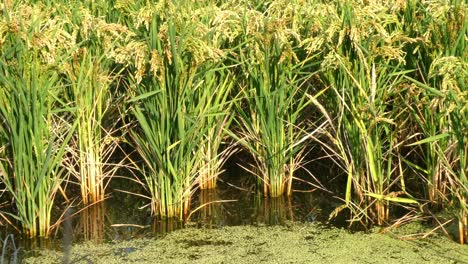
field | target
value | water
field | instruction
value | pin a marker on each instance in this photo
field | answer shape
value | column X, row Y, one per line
column 124, row 221
column 293, row 242
column 123, row 216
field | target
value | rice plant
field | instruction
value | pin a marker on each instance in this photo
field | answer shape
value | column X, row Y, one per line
column 36, row 127
column 216, row 118
column 365, row 137
column 270, row 116
column 438, row 102
column 91, row 81
column 95, row 142
column 177, row 114
column 443, row 144
column 37, row 133
column 361, row 110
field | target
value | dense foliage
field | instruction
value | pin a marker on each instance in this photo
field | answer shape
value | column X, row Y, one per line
column 378, row 86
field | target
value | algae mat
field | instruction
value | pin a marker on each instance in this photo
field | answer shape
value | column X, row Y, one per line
column 292, row 243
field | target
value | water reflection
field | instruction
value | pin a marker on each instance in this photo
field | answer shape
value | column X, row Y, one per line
column 92, row 223
column 226, row 207
column 273, row 211
column 165, row 226
column 210, row 212
column 9, row 252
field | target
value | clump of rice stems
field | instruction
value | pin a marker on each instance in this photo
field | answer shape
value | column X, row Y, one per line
column 439, row 118
column 53, row 34
column 363, row 136
column 270, row 116
column 90, row 83
column 438, row 101
column 215, row 118
column 364, row 80
column 437, row 109
column 367, row 48
column 37, row 135
column 176, row 111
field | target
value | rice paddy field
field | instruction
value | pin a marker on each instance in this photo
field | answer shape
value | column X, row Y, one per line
column 220, row 131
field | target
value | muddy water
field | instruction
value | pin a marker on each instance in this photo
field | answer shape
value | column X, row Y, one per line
column 232, row 225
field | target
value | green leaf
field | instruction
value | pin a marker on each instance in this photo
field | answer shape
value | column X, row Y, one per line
column 143, row 96
column 430, row 139
column 392, row 198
